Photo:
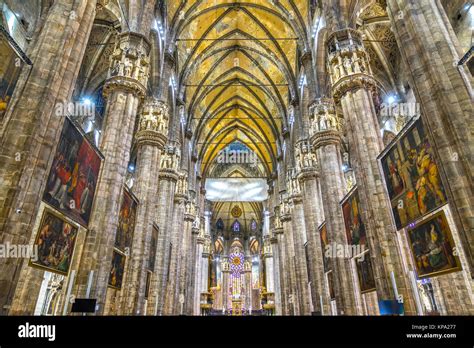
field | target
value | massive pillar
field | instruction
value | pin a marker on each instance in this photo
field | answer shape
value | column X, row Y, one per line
column 167, row 185
column 185, row 254
column 308, row 176
column 288, row 262
column 31, row 130
column 150, row 139
column 326, row 140
column 299, row 239
column 352, row 87
column 430, row 51
column 177, row 223
column 124, row 90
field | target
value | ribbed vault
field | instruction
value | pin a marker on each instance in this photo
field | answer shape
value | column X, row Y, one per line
column 237, row 66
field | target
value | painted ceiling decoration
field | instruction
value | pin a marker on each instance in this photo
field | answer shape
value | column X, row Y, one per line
column 237, row 65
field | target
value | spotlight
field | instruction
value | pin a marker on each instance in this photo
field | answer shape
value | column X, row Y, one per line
column 86, row 100
column 391, row 99
column 131, row 168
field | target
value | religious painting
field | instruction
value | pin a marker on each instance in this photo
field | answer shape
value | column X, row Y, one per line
column 153, row 247
column 365, row 273
column 117, row 270
column 412, row 176
column 73, row 175
column 323, row 233
column 55, row 241
column 10, row 67
column 126, row 226
column 432, row 247
column 355, row 228
column 332, row 292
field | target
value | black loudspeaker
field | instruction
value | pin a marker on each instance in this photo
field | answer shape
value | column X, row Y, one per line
column 84, row 305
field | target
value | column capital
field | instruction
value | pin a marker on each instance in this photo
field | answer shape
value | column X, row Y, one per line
column 168, row 174
column 348, row 62
column 285, row 218
column 153, row 123
column 278, row 230
column 189, row 218
column 307, row 174
column 180, row 198
column 305, row 157
column 129, row 65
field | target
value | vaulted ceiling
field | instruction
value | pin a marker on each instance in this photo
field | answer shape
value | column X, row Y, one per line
column 237, row 64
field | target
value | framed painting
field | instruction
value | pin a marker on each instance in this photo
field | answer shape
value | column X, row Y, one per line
column 411, row 175
column 10, row 66
column 55, row 242
column 73, row 176
column 355, row 228
column 126, row 226
column 365, row 273
column 432, row 247
column 323, row 233
column 117, row 270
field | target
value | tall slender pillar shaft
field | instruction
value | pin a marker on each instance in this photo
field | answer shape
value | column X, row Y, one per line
column 313, row 218
column 123, row 91
column 326, row 139
column 352, row 86
column 150, row 139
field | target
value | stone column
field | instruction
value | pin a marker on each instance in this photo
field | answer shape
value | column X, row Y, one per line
column 289, row 266
column 299, row 237
column 150, row 139
column 198, row 274
column 191, row 275
column 352, row 87
column 326, row 140
column 124, row 90
column 167, row 182
column 430, row 50
column 281, row 257
column 176, row 227
column 31, row 129
column 226, row 278
column 308, row 177
column 204, row 287
column 269, row 264
column 276, row 276
column 184, row 264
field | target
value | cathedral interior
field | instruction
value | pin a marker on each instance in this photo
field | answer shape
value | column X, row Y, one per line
column 236, row 158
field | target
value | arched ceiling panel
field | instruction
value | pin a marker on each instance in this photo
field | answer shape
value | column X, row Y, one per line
column 237, row 65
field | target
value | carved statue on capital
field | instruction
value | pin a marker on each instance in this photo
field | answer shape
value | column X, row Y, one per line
column 348, row 61
column 153, row 122
column 305, row 157
column 130, row 58
column 323, row 117
column 170, row 158
column 182, row 186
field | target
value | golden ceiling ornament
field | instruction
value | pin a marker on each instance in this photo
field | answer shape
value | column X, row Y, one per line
column 236, row 211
